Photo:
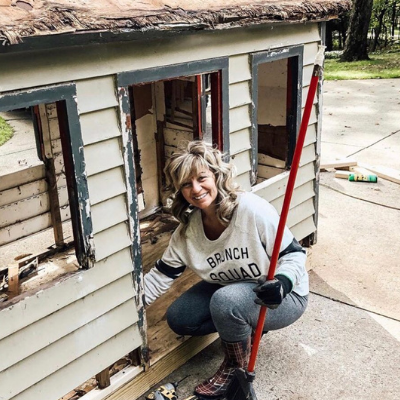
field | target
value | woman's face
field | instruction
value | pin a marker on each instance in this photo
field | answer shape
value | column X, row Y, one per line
column 200, row 189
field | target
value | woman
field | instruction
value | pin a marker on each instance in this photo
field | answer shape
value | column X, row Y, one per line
column 226, row 237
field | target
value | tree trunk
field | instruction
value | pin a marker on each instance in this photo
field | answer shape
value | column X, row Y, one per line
column 379, row 28
column 356, row 43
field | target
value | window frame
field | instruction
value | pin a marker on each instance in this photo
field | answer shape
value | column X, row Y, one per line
column 294, row 117
column 78, row 193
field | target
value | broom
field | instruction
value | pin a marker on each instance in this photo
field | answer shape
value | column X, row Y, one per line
column 241, row 388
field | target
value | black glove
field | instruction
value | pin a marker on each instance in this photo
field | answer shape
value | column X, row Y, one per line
column 271, row 293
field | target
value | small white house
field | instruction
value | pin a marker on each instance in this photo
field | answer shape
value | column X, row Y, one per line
column 110, row 87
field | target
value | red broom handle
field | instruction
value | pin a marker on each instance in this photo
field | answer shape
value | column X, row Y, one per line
column 286, row 202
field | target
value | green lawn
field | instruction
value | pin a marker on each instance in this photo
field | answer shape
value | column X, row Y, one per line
column 380, row 66
column 6, row 131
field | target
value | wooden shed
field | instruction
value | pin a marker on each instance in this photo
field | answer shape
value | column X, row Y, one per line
column 108, row 89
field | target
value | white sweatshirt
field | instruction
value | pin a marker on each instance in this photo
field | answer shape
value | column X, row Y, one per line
column 241, row 253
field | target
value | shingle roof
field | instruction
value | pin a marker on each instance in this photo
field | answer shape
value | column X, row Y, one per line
column 21, row 19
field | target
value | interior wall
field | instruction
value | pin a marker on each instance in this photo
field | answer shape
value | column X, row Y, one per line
column 272, row 86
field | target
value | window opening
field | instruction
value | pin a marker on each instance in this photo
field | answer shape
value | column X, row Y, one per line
column 276, row 116
column 166, row 113
column 36, row 230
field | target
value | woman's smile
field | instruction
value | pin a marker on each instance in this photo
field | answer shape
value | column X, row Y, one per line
column 200, row 189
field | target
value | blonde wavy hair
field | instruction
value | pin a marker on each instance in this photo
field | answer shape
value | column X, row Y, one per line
column 189, row 159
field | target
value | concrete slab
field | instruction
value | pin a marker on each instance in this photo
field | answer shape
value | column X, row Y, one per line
column 356, row 114
column 334, row 352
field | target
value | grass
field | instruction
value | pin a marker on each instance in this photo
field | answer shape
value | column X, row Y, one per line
column 6, row 131
column 384, row 65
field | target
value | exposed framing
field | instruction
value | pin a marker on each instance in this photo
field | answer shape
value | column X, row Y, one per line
column 124, row 80
column 77, row 185
column 297, row 80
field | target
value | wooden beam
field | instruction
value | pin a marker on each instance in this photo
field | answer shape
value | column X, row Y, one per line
column 344, row 163
column 13, row 280
column 103, row 378
column 390, row 174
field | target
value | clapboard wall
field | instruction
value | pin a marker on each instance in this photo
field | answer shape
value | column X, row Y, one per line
column 97, row 309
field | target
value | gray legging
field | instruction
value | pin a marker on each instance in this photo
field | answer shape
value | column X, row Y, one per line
column 229, row 310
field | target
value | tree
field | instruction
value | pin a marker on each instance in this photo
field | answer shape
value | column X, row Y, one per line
column 356, row 46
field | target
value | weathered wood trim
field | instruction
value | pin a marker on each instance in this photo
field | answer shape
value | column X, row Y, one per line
column 124, row 79
column 66, row 93
column 134, row 208
column 269, row 56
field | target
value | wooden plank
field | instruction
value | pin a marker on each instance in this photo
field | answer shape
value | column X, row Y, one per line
column 29, row 208
column 390, row 174
column 22, row 192
column 67, row 349
column 239, row 118
column 307, row 73
column 311, row 135
column 239, row 68
column 108, row 213
column 342, row 174
column 57, row 384
column 267, row 172
column 276, row 186
column 310, row 51
column 29, row 226
column 301, row 212
column 345, row 162
column 304, row 94
column 51, row 110
column 48, row 330
column 300, row 194
column 49, row 300
column 111, row 240
column 103, row 378
column 103, row 156
column 239, row 94
column 106, row 185
column 99, row 125
column 303, row 228
column 243, row 180
column 13, row 280
column 55, row 213
column 163, row 368
column 308, row 154
column 22, row 210
column 173, row 137
column 240, row 141
column 96, row 94
column 313, row 115
column 22, row 177
column 270, row 161
column 241, row 162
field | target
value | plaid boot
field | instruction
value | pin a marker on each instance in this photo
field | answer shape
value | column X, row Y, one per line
column 236, row 356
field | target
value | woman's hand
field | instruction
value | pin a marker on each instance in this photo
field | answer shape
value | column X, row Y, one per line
column 272, row 292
